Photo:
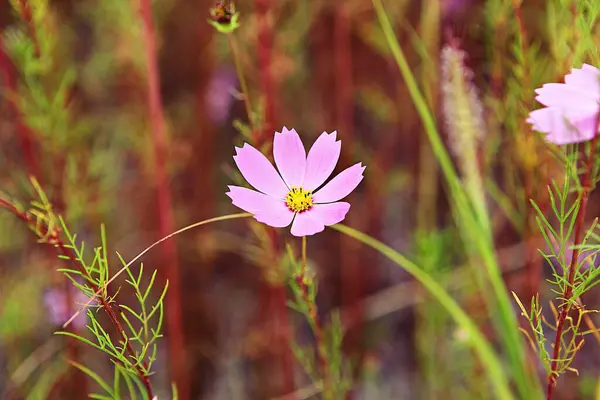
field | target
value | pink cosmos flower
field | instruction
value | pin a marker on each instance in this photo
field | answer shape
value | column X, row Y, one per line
column 297, row 192
column 571, row 108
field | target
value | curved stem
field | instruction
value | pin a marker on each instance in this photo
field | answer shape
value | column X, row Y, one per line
column 147, row 249
column 480, row 344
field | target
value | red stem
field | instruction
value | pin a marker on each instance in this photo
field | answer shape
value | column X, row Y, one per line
column 275, row 294
column 579, row 232
column 24, row 133
column 177, row 355
column 352, row 284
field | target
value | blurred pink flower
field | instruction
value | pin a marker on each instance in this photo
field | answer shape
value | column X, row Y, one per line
column 58, row 312
column 295, row 193
column 571, row 111
column 219, row 96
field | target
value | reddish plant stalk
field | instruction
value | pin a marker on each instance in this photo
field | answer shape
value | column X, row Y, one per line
column 24, row 133
column 166, row 225
column 55, row 241
column 274, row 294
column 579, row 233
column 351, row 279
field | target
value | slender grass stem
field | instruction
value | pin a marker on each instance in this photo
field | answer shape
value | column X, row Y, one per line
column 242, row 79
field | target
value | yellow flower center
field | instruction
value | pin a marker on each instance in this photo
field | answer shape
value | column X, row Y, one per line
column 299, row 200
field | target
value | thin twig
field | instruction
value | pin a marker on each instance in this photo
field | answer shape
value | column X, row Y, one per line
column 147, row 249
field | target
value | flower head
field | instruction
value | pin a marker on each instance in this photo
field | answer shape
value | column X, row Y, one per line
column 571, row 111
column 224, row 17
column 296, row 194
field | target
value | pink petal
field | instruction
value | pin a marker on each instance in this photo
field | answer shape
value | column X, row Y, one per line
column 265, row 208
column 329, row 214
column 569, row 96
column 259, row 172
column 290, row 156
column 340, row 186
column 585, row 78
column 563, row 126
column 321, row 160
column 304, row 225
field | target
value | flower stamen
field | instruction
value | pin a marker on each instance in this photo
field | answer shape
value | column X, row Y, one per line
column 299, row 200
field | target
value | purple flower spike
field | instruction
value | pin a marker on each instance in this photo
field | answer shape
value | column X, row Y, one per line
column 293, row 195
column 572, row 108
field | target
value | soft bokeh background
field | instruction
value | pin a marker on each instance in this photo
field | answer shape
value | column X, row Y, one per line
column 312, row 65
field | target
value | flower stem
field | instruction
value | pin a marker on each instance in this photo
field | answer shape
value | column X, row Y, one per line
column 147, row 249
column 574, row 267
column 316, row 326
column 242, row 79
column 264, row 48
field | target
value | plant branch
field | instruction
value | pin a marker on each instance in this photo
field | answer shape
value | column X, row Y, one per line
column 574, row 267
column 315, row 324
column 55, row 240
column 243, row 84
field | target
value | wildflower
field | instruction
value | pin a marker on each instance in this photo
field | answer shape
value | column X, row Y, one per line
column 296, row 195
column 572, row 107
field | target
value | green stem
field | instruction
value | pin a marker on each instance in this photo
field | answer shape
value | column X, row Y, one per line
column 303, row 256
column 474, row 227
column 242, row 79
column 316, row 326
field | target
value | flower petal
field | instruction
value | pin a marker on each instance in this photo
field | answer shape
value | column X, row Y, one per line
column 568, row 96
column 304, row 225
column 290, row 156
column 340, row 186
column 321, row 160
column 265, row 208
column 585, row 78
column 329, row 214
column 259, row 172
column 563, row 126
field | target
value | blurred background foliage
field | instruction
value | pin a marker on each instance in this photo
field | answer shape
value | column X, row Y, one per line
column 74, row 114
